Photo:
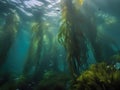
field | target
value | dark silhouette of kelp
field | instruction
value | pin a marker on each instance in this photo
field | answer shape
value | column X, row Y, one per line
column 33, row 57
column 8, row 35
column 78, row 34
column 72, row 37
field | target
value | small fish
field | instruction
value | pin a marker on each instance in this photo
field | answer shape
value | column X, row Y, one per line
column 58, row 10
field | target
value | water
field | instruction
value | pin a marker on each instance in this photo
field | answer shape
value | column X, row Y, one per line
column 59, row 44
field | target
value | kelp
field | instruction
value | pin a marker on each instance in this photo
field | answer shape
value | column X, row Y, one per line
column 99, row 76
column 77, row 33
column 9, row 32
column 18, row 83
column 102, row 44
column 33, row 57
column 72, row 38
column 103, row 47
column 53, row 81
column 34, row 51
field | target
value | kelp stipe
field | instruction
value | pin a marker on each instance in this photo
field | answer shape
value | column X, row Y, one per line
column 33, row 57
column 72, row 38
column 8, row 32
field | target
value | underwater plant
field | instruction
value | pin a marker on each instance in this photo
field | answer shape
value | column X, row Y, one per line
column 115, row 58
column 18, row 83
column 104, row 47
column 99, row 76
column 9, row 32
column 33, row 57
column 78, row 33
column 53, row 81
column 72, row 38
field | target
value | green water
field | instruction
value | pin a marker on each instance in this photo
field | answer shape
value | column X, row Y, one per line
column 59, row 44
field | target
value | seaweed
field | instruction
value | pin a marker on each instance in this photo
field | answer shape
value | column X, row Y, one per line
column 33, row 57
column 77, row 39
column 98, row 77
column 53, row 81
column 72, row 38
column 9, row 32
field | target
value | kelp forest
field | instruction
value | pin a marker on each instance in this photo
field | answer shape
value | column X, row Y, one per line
column 59, row 45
